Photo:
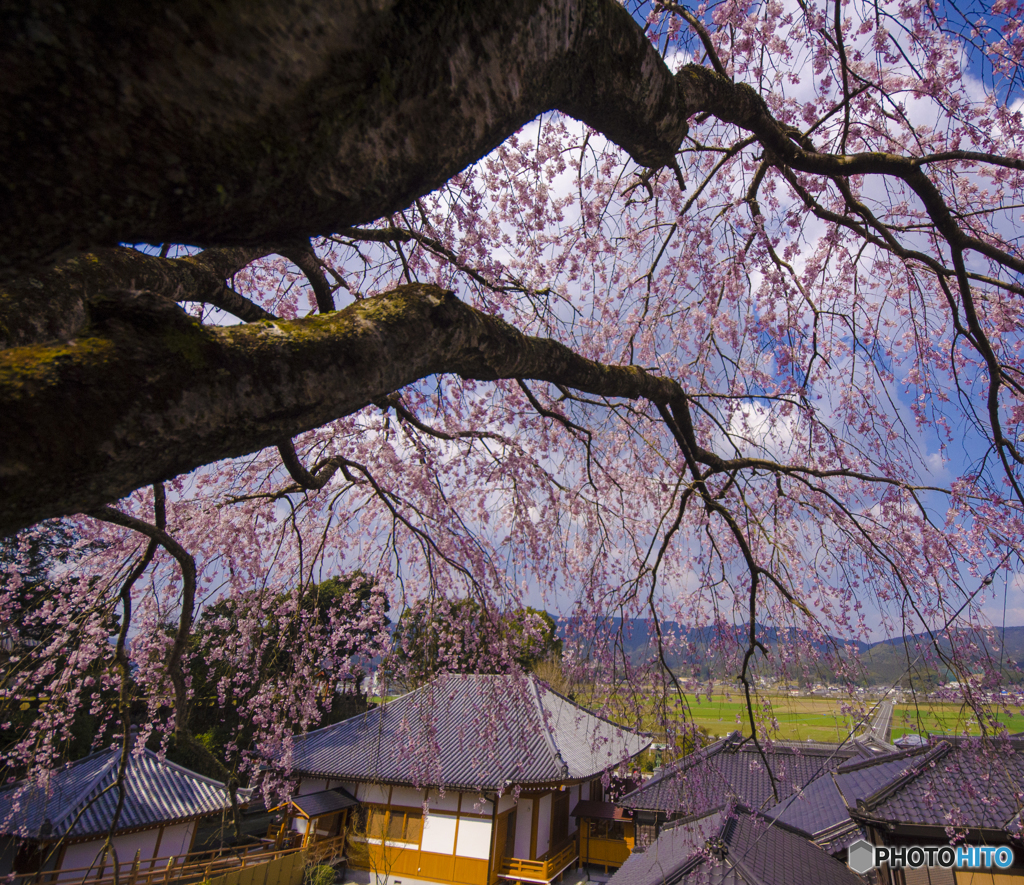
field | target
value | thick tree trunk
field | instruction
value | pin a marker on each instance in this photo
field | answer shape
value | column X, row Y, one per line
column 148, row 393
column 259, row 121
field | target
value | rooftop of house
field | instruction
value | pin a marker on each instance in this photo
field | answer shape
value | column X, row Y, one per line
column 80, row 799
column 734, row 846
column 469, row 732
column 822, row 808
column 969, row 783
column 734, row 769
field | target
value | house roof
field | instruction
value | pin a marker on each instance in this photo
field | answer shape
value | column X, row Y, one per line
column 80, row 799
column 731, row 769
column 324, row 802
column 471, row 732
column 732, row 847
column 971, row 783
column 663, row 860
column 822, row 808
column 594, row 810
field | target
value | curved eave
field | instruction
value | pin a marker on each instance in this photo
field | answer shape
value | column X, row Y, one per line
column 910, row 828
column 463, row 788
column 125, row 831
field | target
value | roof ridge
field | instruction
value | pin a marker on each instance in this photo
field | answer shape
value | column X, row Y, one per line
column 188, row 772
column 847, row 824
column 683, row 764
column 792, row 748
column 85, row 793
column 897, row 783
column 708, row 752
column 860, row 764
column 378, row 710
column 549, row 739
column 587, row 710
column 740, row 808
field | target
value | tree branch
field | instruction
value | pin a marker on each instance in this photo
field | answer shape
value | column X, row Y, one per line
column 55, row 305
column 149, row 393
column 187, row 133
column 187, row 565
column 304, row 258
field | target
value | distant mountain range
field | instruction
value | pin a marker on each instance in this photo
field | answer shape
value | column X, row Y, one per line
column 708, row 652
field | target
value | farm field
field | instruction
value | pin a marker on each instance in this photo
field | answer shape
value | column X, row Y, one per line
column 807, row 718
column 822, row 719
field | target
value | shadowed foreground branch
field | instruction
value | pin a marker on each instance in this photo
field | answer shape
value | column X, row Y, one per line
column 148, row 393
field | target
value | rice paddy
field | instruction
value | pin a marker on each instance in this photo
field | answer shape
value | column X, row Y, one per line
column 824, row 718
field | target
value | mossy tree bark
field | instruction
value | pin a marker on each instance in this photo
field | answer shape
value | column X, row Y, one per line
column 146, row 392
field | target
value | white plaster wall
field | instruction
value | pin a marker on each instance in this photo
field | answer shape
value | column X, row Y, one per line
column 407, row 796
column 524, row 822
column 544, row 825
column 448, row 802
column 311, row 785
column 474, row 838
column 505, row 803
column 474, row 803
column 439, row 833
column 80, row 855
column 373, row 793
column 176, row 840
column 83, row 854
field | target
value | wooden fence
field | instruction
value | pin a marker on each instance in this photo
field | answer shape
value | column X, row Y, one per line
column 286, row 870
column 196, row 867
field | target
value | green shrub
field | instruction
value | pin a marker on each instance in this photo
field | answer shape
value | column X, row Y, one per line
column 321, row 874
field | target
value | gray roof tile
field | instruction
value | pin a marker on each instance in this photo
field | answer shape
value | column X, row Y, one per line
column 665, row 858
column 324, row 802
column 817, row 807
column 726, row 770
column 969, row 783
column 768, row 853
column 735, row 846
column 468, row 731
column 823, row 805
column 80, row 800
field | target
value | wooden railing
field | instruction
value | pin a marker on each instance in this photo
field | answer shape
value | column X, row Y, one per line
column 325, row 851
column 543, row 870
column 182, row 869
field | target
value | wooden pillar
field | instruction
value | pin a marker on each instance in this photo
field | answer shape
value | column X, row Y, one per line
column 156, row 848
